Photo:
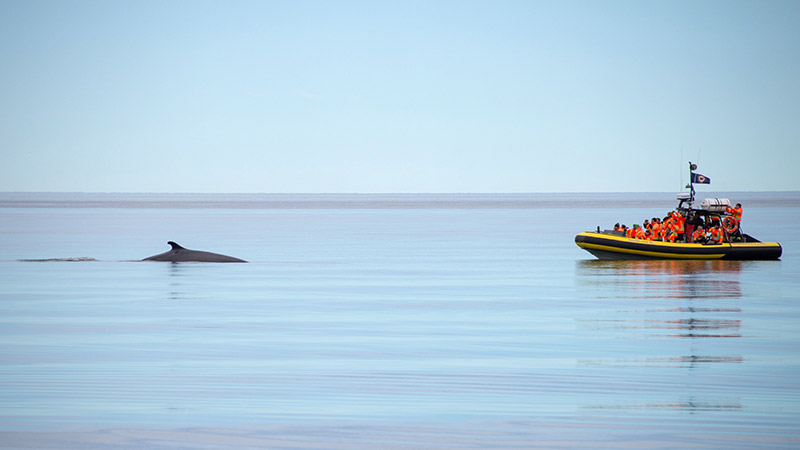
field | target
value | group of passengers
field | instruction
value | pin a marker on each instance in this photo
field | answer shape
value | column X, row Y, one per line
column 686, row 226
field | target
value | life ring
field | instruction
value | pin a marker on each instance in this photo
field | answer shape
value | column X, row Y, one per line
column 729, row 224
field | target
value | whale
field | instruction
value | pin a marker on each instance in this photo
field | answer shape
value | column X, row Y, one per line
column 180, row 254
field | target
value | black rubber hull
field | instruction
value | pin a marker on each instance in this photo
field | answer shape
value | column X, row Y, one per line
column 606, row 246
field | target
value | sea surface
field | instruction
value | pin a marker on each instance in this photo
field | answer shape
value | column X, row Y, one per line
column 388, row 322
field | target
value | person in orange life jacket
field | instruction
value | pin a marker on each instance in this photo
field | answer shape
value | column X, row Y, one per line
column 617, row 227
column 673, row 220
column 629, row 232
column 634, row 232
column 699, row 235
column 656, row 227
column 670, row 236
column 648, row 236
column 669, row 225
column 640, row 233
column 673, row 223
column 716, row 234
column 646, row 224
column 680, row 222
column 732, row 228
column 736, row 212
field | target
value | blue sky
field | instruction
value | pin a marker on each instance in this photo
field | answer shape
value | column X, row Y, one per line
column 406, row 96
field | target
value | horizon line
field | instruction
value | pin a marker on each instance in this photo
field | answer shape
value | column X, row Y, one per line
column 383, row 193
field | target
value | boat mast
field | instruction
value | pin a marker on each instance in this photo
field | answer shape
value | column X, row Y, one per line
column 692, row 168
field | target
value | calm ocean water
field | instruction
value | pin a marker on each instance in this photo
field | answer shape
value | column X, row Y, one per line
column 388, row 321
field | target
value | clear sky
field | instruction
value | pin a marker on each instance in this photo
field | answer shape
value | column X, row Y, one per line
column 398, row 96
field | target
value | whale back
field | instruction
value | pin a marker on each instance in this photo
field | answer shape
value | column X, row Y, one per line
column 181, row 254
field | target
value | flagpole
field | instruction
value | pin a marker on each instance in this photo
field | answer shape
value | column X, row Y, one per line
column 692, row 167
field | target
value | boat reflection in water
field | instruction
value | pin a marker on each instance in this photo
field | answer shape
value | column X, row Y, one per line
column 671, row 325
column 665, row 278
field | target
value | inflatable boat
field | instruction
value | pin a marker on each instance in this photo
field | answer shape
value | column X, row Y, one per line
column 614, row 245
column 715, row 213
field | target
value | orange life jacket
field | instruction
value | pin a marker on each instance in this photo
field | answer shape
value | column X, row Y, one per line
column 656, row 229
column 716, row 235
column 681, row 223
column 735, row 212
column 698, row 235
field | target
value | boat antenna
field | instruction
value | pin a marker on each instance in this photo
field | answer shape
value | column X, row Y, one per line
column 692, row 168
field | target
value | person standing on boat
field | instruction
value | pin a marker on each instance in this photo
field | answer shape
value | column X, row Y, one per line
column 680, row 227
column 736, row 212
column 689, row 226
column 732, row 224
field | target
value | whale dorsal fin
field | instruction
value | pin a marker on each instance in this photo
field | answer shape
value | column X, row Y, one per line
column 174, row 245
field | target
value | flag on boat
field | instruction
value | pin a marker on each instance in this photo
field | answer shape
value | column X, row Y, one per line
column 700, row 179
